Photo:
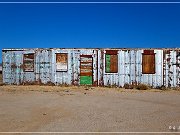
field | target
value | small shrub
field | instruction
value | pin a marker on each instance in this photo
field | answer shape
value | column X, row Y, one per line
column 128, row 86
column 162, row 88
column 131, row 86
column 142, row 87
column 176, row 88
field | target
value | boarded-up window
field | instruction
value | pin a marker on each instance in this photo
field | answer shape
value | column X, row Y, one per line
column 61, row 62
column 148, row 62
column 29, row 62
column 111, row 64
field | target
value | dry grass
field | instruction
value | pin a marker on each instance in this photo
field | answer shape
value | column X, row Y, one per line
column 128, row 86
column 23, row 88
column 142, row 87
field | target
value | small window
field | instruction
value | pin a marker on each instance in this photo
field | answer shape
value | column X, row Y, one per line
column 61, row 62
column 29, row 62
column 148, row 62
column 111, row 61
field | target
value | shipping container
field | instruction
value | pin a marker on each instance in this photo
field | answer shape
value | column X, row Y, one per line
column 96, row 67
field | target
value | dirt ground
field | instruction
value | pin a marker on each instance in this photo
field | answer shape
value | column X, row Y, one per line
column 80, row 109
column 1, row 78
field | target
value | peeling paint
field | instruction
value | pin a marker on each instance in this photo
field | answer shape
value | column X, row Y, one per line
column 167, row 67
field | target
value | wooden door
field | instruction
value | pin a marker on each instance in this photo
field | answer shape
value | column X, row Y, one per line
column 86, row 70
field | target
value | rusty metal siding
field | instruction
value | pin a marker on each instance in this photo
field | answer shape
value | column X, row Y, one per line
column 157, row 78
column 130, row 69
column 167, row 67
column 172, row 68
column 13, row 68
column 92, row 52
column 43, row 66
column 28, row 77
column 63, row 77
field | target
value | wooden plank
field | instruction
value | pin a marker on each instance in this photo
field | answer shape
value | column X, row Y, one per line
column 114, row 64
column 86, row 67
column 148, row 64
column 86, row 56
column 87, row 62
column 111, row 63
column 28, row 61
column 61, row 57
column 86, row 80
column 112, row 52
column 148, row 51
column 86, row 74
column 61, row 61
column 86, row 70
column 29, row 56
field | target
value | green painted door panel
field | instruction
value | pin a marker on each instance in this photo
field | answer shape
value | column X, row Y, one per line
column 86, row 80
column 108, row 64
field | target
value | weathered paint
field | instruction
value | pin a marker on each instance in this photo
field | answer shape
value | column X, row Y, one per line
column 86, row 70
column 108, row 63
column 129, row 66
column 86, row 80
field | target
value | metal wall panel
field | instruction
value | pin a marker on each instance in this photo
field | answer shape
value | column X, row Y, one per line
column 172, row 68
column 130, row 70
column 167, row 67
column 62, row 77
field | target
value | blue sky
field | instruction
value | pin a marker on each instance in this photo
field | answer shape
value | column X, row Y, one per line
column 89, row 25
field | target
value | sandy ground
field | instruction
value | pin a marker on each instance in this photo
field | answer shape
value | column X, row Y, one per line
column 77, row 109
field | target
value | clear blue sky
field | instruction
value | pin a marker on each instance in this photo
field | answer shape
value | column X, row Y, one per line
column 89, row 25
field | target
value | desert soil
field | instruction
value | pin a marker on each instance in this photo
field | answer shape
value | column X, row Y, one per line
column 80, row 109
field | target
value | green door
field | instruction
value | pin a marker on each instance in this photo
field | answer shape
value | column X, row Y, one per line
column 86, row 73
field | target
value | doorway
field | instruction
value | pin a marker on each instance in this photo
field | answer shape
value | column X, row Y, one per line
column 86, row 70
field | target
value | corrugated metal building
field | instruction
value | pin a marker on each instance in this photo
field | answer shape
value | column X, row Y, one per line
column 97, row 67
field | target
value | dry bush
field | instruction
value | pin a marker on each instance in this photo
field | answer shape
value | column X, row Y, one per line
column 162, row 88
column 142, row 87
column 176, row 88
column 128, row 86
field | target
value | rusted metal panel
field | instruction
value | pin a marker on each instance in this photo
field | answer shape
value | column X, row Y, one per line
column 43, row 66
column 125, row 66
column 130, row 70
column 172, row 68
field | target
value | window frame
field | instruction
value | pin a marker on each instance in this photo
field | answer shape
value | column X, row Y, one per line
column 24, row 61
column 111, row 52
column 65, row 70
column 150, row 53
